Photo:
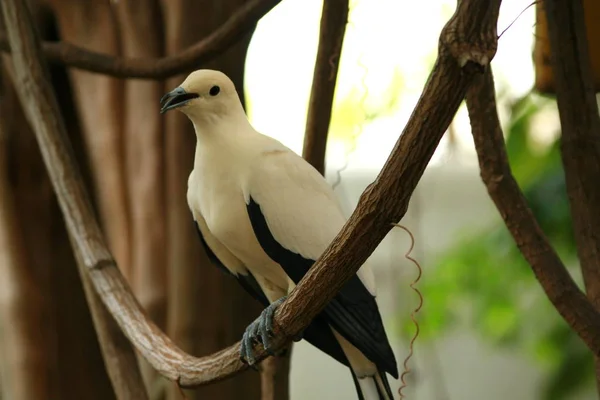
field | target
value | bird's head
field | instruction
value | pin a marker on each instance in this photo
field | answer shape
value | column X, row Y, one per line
column 204, row 94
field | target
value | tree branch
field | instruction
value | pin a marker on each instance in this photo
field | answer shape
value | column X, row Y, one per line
column 159, row 68
column 580, row 141
column 331, row 38
column 560, row 288
column 467, row 44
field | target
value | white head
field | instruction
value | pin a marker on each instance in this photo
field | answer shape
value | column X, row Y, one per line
column 205, row 96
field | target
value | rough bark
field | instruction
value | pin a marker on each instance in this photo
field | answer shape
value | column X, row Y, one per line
column 230, row 32
column 580, row 141
column 207, row 309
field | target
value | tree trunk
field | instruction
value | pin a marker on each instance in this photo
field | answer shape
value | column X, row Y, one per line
column 26, row 352
column 99, row 103
column 141, row 36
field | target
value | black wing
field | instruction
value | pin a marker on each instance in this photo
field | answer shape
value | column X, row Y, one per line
column 353, row 312
column 317, row 333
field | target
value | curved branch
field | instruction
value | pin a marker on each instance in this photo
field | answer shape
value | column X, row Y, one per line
column 467, row 44
column 159, row 68
column 331, row 38
column 560, row 288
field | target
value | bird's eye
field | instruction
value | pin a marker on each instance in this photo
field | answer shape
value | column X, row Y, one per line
column 214, row 90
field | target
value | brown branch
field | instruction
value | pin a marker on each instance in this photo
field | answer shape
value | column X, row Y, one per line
column 159, row 68
column 560, row 288
column 580, row 142
column 467, row 44
column 331, row 38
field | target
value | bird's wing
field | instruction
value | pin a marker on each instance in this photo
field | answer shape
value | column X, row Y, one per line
column 317, row 333
column 226, row 262
column 295, row 216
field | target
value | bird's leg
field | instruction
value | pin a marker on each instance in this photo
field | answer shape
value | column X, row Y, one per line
column 263, row 327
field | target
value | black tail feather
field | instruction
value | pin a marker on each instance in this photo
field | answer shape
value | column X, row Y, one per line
column 386, row 385
column 356, row 384
column 382, row 384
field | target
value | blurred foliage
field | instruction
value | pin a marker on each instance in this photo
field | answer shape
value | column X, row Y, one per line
column 358, row 107
column 484, row 282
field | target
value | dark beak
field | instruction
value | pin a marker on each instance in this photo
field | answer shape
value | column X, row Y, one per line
column 175, row 98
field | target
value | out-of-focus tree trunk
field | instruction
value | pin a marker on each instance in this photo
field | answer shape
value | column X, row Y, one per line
column 140, row 26
column 275, row 376
column 26, row 353
column 77, row 368
column 99, row 102
column 207, row 309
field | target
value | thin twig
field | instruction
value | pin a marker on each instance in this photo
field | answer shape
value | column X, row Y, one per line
column 331, row 38
column 467, row 45
column 517, row 17
column 159, row 68
column 554, row 278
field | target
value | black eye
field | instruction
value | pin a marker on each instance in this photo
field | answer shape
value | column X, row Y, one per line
column 214, row 90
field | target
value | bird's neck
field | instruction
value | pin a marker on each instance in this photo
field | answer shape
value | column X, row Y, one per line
column 220, row 136
column 211, row 128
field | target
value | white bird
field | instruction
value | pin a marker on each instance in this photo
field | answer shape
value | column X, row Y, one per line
column 265, row 215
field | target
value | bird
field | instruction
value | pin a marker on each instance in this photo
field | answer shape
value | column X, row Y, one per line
column 264, row 216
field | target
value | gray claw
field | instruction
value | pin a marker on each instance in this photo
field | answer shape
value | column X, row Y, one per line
column 270, row 313
column 263, row 331
column 246, row 352
column 263, row 327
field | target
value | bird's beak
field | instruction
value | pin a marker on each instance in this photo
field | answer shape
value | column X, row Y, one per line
column 175, row 98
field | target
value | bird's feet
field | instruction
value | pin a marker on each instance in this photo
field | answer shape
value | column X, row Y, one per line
column 261, row 328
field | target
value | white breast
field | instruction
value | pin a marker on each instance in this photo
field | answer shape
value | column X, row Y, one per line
column 215, row 194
